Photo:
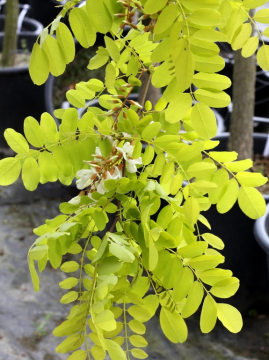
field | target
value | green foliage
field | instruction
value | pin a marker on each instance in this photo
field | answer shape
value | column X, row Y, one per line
column 146, row 175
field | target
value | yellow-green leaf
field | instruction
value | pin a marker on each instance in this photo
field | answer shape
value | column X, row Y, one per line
column 211, row 81
column 137, row 327
column 30, row 174
column 251, row 4
column 251, row 179
column 71, row 343
column 153, row 6
column 184, row 68
column 195, row 249
column 173, row 326
column 112, row 48
column 250, row 46
column 71, row 296
column 69, row 266
column 78, row 355
column 241, row 36
column 203, row 121
column 166, row 18
column 228, row 197
column 208, row 315
column 33, row 132
column 178, row 108
column 205, row 17
column 82, row 27
column 206, row 262
column 208, row 64
column 262, row 16
column 138, row 341
column 151, row 130
column 10, row 169
column 54, row 55
column 139, row 353
column 230, row 317
column 217, row 99
column 212, row 276
column 105, row 320
column 101, row 16
column 39, row 65
column 49, row 128
column 183, row 284
column 251, row 202
column 263, row 57
column 223, row 156
column 121, row 252
column 34, row 275
column 213, row 240
column 194, row 299
column 16, row 141
column 225, row 288
column 66, row 42
column 68, row 283
column 114, row 350
column 240, row 165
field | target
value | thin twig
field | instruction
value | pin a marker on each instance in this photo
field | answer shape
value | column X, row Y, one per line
column 145, row 91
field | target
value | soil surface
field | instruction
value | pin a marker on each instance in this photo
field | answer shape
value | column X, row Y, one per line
column 28, row 318
column 21, row 60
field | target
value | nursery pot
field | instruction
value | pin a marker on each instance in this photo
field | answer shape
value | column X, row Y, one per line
column 260, row 124
column 27, row 35
column 242, row 253
column 19, row 96
column 44, row 11
column 261, row 232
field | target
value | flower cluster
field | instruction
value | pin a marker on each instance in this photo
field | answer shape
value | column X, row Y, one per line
column 102, row 169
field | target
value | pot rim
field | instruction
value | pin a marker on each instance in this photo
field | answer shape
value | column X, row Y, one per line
column 15, row 69
column 260, row 232
column 38, row 27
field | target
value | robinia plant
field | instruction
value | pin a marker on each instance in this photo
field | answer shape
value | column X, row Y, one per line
column 131, row 242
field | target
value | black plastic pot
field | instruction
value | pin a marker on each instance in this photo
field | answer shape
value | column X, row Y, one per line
column 242, row 254
column 27, row 34
column 260, row 124
column 44, row 11
column 20, row 98
column 261, row 232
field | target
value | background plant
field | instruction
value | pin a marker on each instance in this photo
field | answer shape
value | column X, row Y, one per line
column 134, row 229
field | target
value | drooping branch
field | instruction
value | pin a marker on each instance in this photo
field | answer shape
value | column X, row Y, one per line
column 148, row 91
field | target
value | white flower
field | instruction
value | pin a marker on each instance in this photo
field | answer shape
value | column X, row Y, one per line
column 126, row 150
column 125, row 134
column 117, row 174
column 84, row 178
column 101, row 187
column 75, row 200
column 98, row 151
column 131, row 164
